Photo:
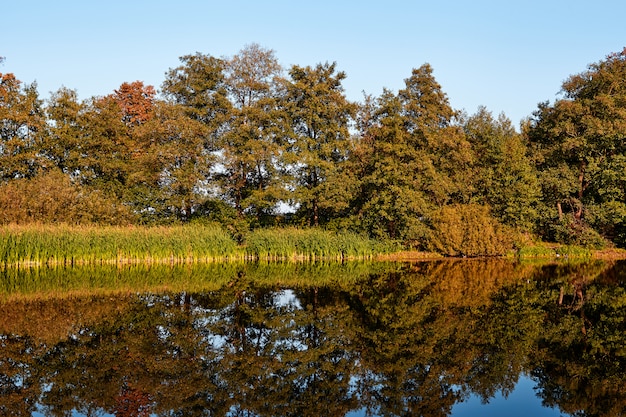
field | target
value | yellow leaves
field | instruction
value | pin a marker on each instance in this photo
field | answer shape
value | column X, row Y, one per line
column 469, row 230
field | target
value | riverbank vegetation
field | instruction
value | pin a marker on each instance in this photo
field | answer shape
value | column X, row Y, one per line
column 237, row 157
column 71, row 245
column 26, row 246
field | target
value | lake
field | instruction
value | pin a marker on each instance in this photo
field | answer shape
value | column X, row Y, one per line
column 438, row 338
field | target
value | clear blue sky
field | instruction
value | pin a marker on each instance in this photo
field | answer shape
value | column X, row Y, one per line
column 505, row 55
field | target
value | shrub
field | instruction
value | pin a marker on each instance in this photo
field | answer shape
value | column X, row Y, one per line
column 569, row 231
column 469, row 230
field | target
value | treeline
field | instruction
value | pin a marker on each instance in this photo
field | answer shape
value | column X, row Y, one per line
column 246, row 143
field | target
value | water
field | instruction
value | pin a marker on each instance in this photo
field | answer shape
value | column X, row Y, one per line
column 461, row 338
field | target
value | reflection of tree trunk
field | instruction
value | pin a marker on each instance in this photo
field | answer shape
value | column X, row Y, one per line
column 239, row 320
column 561, row 295
column 314, row 331
column 579, row 302
column 579, row 294
column 186, row 299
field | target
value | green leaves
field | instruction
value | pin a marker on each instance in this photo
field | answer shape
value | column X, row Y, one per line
column 582, row 136
column 239, row 132
column 318, row 147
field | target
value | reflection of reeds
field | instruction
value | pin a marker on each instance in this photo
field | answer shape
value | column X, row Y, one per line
column 87, row 280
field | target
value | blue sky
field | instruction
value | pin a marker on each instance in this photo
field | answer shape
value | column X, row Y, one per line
column 505, row 55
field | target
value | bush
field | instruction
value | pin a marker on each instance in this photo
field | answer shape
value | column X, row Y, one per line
column 53, row 198
column 571, row 232
column 469, row 230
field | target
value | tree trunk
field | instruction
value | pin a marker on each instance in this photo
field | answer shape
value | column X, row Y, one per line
column 316, row 214
column 578, row 214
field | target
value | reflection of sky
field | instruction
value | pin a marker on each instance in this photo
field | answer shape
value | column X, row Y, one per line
column 287, row 298
column 521, row 402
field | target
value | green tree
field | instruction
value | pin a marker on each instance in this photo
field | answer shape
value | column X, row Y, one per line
column 419, row 160
column 112, row 151
column 63, row 142
column 393, row 203
column 22, row 129
column 435, row 129
column 198, row 85
column 252, row 143
column 320, row 115
column 579, row 141
column 174, row 166
column 70, row 189
column 189, row 128
column 505, row 179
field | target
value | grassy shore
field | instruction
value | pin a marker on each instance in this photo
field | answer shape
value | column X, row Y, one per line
column 71, row 245
column 38, row 245
column 68, row 245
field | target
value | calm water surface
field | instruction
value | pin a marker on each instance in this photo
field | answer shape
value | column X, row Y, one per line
column 453, row 338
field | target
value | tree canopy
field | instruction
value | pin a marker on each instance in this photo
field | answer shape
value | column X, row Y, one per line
column 242, row 139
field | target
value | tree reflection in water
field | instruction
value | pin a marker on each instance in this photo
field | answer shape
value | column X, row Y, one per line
column 393, row 340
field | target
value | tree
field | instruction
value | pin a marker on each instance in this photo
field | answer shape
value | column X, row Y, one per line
column 65, row 132
column 190, row 127
column 580, row 143
column 434, row 129
column 114, row 155
column 135, row 101
column 419, row 160
column 174, row 165
column 199, row 86
column 252, row 144
column 505, row 178
column 22, row 128
column 320, row 115
column 393, row 203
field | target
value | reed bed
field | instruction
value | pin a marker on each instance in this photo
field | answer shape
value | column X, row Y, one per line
column 310, row 244
column 70, row 245
column 37, row 245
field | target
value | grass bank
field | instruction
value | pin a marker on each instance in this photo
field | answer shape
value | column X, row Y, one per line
column 33, row 245
column 311, row 244
column 70, row 245
column 554, row 251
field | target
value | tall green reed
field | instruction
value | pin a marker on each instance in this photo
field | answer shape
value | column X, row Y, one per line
column 310, row 244
column 68, row 245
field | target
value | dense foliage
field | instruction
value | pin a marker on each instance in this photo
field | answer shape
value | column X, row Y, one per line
column 240, row 141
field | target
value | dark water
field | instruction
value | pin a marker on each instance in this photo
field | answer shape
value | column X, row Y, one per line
column 462, row 338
